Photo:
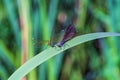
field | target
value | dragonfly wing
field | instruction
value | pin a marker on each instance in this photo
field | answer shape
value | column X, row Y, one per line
column 69, row 33
column 56, row 37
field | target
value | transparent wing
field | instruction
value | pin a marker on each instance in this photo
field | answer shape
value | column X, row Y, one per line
column 56, row 37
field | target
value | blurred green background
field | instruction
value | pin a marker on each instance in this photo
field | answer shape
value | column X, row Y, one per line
column 26, row 27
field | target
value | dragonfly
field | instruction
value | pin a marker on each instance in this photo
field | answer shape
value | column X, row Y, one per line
column 69, row 33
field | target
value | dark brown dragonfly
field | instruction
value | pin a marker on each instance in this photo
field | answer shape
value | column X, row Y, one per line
column 69, row 33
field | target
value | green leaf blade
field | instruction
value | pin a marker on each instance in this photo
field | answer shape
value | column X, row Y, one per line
column 50, row 52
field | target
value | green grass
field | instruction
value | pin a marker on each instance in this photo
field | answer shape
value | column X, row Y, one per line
column 39, row 18
column 50, row 52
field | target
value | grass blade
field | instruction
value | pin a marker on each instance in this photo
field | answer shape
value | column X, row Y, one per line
column 50, row 52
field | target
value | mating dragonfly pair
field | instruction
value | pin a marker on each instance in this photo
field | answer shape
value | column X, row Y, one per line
column 69, row 33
